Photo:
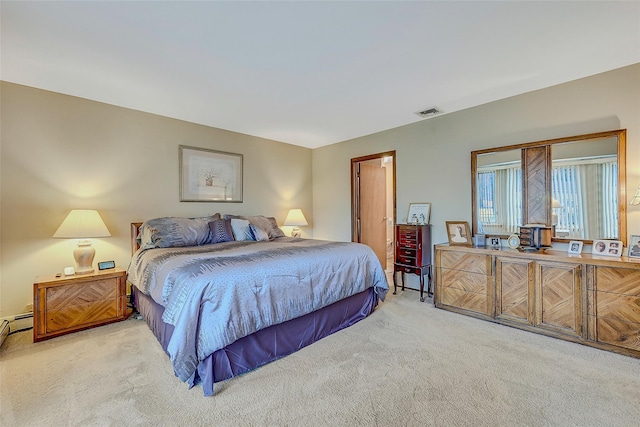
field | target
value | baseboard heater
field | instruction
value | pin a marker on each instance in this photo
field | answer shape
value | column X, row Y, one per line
column 19, row 322
column 4, row 331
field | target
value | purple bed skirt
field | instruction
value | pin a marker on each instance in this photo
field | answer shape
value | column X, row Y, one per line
column 266, row 345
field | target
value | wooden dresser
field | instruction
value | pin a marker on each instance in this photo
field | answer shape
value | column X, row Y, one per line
column 582, row 298
column 62, row 305
column 413, row 254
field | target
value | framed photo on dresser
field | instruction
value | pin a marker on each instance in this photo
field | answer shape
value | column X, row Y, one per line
column 634, row 247
column 458, row 233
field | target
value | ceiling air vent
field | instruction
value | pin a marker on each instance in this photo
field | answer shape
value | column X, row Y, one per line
column 429, row 112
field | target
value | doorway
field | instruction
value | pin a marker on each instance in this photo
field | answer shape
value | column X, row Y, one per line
column 373, row 204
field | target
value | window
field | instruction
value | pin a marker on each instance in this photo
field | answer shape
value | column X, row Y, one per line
column 500, row 182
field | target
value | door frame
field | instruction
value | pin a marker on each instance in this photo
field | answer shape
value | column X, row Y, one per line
column 355, row 202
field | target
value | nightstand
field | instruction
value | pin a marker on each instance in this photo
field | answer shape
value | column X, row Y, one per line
column 66, row 304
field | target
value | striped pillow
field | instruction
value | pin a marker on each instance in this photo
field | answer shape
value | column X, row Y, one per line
column 241, row 229
column 221, row 231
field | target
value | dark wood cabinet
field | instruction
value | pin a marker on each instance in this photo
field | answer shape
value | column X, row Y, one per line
column 413, row 254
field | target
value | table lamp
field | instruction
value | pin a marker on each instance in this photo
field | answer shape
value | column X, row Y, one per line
column 295, row 217
column 83, row 224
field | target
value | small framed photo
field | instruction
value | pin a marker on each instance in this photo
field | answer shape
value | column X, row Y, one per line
column 480, row 240
column 495, row 242
column 458, row 233
column 419, row 213
column 634, row 247
column 607, row 247
column 575, row 247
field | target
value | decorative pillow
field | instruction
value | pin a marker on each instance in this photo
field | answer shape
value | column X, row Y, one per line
column 268, row 224
column 221, row 231
column 170, row 232
column 241, row 230
column 259, row 234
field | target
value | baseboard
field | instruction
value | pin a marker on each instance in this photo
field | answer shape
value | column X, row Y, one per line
column 18, row 322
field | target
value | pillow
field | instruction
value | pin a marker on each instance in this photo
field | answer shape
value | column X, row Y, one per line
column 221, row 231
column 259, row 234
column 171, row 232
column 241, row 230
column 268, row 224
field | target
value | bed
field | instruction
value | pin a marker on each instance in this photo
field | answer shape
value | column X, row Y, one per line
column 226, row 294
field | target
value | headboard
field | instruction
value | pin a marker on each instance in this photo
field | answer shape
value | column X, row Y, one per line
column 135, row 229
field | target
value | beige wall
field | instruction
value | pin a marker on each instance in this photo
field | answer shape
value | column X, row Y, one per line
column 433, row 157
column 129, row 160
column 60, row 152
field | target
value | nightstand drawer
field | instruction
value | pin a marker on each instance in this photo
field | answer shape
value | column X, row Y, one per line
column 83, row 293
column 82, row 314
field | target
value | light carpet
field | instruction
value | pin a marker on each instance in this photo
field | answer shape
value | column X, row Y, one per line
column 408, row 364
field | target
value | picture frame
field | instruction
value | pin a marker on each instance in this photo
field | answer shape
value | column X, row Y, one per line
column 495, row 242
column 575, row 247
column 607, row 247
column 480, row 240
column 634, row 246
column 458, row 233
column 210, row 175
column 419, row 213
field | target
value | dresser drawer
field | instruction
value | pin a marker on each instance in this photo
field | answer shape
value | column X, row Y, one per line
column 466, row 300
column 406, row 252
column 619, row 280
column 472, row 263
column 618, row 333
column 464, row 281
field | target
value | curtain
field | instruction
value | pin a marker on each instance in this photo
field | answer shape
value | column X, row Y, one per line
column 586, row 214
column 502, row 184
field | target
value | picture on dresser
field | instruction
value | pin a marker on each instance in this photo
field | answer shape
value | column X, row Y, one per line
column 634, row 246
column 575, row 247
column 607, row 247
column 458, row 233
column 419, row 213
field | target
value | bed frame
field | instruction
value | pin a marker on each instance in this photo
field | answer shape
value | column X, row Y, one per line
column 263, row 346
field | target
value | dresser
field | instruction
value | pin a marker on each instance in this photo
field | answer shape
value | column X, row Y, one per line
column 413, row 255
column 581, row 298
column 66, row 304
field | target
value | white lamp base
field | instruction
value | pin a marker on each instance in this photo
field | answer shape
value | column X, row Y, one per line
column 83, row 255
column 296, row 232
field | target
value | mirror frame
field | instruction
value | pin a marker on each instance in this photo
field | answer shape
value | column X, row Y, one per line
column 542, row 162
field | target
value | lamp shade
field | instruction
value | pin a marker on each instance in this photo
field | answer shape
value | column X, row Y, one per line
column 295, row 217
column 82, row 224
column 636, row 198
column 556, row 204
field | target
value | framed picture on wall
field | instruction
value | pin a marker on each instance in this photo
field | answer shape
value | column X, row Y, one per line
column 209, row 175
column 419, row 213
column 458, row 233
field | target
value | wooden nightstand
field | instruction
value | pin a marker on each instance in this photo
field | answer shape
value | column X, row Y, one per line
column 66, row 304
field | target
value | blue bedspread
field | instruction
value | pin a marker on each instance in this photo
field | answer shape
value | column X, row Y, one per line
column 216, row 294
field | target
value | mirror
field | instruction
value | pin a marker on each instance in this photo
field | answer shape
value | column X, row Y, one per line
column 575, row 184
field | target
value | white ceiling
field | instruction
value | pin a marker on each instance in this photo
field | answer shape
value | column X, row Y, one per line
column 310, row 73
